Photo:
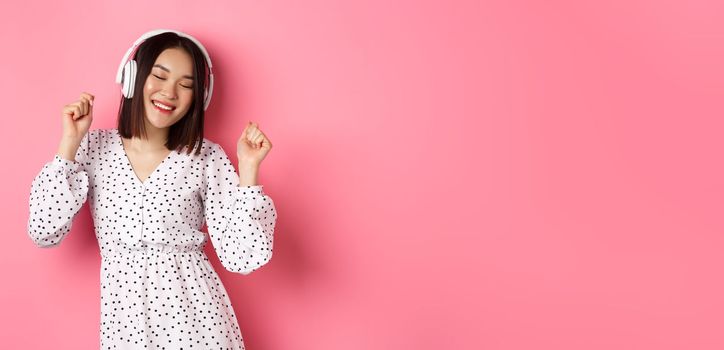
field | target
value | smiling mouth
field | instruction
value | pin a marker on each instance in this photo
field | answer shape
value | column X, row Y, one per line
column 162, row 107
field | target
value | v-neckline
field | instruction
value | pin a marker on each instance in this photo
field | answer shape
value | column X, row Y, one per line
column 130, row 165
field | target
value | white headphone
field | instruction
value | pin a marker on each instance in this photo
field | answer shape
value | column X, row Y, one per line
column 127, row 70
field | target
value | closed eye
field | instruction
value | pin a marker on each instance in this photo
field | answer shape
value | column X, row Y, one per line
column 188, row 87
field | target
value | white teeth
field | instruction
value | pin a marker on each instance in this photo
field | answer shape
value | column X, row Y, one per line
column 162, row 106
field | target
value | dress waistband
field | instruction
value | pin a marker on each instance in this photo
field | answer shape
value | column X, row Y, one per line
column 151, row 250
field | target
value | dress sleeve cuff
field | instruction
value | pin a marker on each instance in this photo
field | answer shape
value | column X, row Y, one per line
column 249, row 191
column 63, row 163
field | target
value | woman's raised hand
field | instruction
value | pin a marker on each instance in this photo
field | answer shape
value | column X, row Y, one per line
column 77, row 117
column 253, row 145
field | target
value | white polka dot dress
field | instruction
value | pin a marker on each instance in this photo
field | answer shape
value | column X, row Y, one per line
column 158, row 289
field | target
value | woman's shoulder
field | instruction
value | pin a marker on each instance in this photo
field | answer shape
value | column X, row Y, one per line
column 210, row 148
column 97, row 138
column 101, row 133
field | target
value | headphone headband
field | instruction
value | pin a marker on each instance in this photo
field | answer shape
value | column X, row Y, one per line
column 119, row 75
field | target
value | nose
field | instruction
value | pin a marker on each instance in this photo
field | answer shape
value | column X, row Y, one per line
column 168, row 90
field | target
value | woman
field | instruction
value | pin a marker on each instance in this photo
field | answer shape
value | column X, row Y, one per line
column 153, row 182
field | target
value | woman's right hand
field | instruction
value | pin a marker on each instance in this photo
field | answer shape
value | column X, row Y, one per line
column 77, row 117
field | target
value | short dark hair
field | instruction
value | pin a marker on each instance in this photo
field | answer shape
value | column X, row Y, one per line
column 189, row 130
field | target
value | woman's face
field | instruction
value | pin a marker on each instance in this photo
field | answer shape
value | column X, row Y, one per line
column 170, row 83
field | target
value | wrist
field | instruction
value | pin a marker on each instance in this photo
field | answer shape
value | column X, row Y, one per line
column 248, row 165
column 248, row 174
column 71, row 137
column 68, row 148
column 70, row 141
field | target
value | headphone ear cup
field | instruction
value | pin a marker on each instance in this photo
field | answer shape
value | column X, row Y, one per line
column 129, row 78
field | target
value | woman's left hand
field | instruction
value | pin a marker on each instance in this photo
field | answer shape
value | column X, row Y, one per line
column 253, row 145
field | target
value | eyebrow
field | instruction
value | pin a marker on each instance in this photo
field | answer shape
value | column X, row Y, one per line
column 167, row 70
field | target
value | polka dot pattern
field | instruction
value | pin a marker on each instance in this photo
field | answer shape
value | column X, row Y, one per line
column 158, row 289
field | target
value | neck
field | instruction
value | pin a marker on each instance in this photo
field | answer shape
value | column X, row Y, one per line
column 156, row 140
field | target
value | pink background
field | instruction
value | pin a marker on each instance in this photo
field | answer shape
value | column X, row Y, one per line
column 448, row 175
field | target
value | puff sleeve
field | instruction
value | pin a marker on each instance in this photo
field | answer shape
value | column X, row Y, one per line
column 240, row 220
column 57, row 193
